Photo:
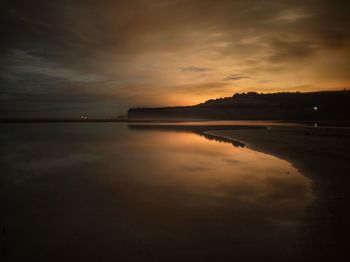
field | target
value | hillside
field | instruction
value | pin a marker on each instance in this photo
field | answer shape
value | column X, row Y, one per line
column 326, row 105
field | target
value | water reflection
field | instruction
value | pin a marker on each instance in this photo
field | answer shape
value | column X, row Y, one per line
column 104, row 192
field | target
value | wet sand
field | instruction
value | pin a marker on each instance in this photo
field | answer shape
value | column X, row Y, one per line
column 323, row 155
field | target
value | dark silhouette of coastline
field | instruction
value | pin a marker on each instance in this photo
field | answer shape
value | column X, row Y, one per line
column 312, row 106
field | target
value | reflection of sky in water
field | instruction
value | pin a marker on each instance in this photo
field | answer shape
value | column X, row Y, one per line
column 103, row 188
column 226, row 123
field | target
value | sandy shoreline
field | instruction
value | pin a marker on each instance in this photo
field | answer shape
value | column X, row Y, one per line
column 323, row 155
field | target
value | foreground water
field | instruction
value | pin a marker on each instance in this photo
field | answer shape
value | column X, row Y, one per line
column 107, row 192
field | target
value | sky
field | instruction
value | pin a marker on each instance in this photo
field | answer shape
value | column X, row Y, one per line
column 100, row 57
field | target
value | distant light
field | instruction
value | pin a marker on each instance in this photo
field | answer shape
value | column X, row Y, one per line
column 315, row 108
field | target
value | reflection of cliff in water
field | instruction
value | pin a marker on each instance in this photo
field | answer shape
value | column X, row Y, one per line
column 197, row 129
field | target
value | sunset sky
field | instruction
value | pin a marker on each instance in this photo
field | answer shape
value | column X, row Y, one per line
column 100, row 57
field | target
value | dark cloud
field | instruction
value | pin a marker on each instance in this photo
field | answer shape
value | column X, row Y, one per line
column 194, row 69
column 286, row 50
column 235, row 77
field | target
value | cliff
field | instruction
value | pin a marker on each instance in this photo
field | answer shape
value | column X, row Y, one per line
column 326, row 105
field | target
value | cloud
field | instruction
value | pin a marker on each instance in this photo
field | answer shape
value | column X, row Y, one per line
column 16, row 63
column 236, row 77
column 291, row 16
column 287, row 50
column 194, row 69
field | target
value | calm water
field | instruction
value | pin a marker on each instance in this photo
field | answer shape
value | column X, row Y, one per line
column 105, row 192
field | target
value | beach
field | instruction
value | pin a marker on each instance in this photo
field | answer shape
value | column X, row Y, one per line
column 321, row 154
